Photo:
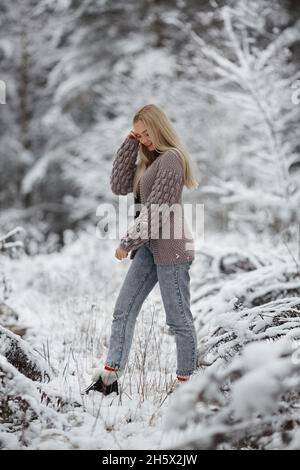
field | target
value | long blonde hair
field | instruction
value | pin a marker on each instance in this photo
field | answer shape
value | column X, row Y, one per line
column 164, row 137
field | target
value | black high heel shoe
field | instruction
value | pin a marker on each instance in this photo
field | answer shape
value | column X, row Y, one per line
column 99, row 386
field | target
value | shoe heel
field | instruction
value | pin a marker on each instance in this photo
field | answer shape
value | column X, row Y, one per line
column 99, row 386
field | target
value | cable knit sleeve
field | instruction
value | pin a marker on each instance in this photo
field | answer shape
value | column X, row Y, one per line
column 165, row 192
column 124, row 166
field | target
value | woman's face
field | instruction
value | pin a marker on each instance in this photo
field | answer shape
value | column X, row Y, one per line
column 142, row 135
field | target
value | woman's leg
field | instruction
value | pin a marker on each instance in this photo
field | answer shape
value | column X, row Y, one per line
column 140, row 279
column 174, row 283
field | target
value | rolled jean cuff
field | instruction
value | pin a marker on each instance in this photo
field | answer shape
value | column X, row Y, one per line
column 184, row 373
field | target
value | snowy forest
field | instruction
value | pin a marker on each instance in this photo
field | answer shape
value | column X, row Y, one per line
column 72, row 75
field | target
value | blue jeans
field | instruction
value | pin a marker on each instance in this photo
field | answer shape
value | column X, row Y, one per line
column 174, row 283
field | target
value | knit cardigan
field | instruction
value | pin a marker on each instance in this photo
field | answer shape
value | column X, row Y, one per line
column 161, row 186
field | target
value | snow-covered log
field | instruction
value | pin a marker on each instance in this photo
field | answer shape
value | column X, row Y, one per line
column 22, row 357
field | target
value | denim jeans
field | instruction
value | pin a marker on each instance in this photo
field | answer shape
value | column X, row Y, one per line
column 174, row 283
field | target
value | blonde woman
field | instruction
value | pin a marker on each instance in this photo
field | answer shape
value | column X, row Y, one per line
column 152, row 163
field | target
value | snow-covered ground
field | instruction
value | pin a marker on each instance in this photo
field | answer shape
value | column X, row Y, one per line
column 65, row 302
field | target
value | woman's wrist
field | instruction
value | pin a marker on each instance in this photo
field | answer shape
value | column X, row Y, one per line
column 125, row 248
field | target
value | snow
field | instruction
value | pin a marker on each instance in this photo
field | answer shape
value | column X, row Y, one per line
column 68, row 321
column 154, row 60
column 227, row 81
column 257, row 391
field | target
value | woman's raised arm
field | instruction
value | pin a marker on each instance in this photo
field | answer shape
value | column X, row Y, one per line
column 124, row 166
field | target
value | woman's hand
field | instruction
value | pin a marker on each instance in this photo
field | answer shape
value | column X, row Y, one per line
column 121, row 253
column 132, row 135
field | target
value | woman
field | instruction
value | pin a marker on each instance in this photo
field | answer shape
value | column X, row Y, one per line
column 157, row 180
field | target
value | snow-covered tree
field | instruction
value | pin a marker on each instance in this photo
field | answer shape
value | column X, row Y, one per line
column 249, row 75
